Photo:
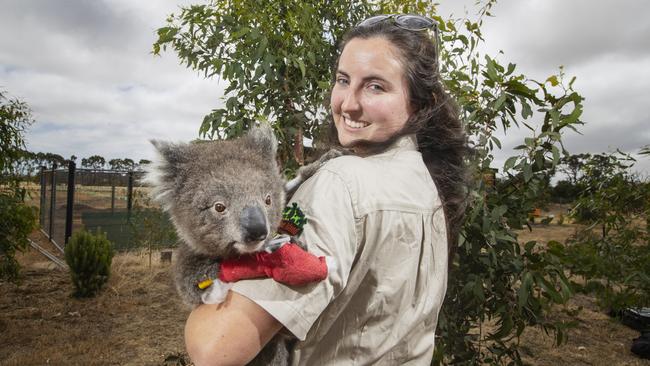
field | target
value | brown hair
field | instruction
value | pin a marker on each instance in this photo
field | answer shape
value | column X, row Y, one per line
column 440, row 135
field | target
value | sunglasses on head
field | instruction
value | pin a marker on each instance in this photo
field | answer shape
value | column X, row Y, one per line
column 405, row 21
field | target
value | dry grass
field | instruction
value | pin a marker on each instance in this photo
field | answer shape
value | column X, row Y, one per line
column 597, row 339
column 138, row 320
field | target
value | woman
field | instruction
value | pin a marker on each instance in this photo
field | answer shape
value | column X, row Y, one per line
column 377, row 212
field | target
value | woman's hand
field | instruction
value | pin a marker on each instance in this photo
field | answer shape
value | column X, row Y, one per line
column 230, row 333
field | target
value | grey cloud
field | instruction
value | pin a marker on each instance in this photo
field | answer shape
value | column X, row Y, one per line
column 86, row 70
column 555, row 32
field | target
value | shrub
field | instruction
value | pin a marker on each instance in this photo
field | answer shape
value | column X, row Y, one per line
column 17, row 220
column 89, row 258
column 564, row 192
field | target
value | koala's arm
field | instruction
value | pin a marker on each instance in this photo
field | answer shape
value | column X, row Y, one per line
column 308, row 170
column 230, row 333
column 190, row 269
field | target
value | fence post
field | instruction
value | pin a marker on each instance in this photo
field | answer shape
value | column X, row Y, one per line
column 112, row 195
column 41, row 218
column 52, row 201
column 70, row 201
column 129, row 195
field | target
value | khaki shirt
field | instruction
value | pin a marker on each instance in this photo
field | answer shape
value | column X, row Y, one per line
column 381, row 219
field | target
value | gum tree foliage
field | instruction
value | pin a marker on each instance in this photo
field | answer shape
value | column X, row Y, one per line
column 645, row 150
column 497, row 287
column 125, row 164
column 17, row 220
column 612, row 251
column 572, row 165
column 277, row 58
column 95, row 162
column 274, row 56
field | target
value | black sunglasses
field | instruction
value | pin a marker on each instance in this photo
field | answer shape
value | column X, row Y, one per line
column 405, row 21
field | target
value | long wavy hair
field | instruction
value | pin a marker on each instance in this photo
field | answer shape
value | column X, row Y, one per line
column 435, row 121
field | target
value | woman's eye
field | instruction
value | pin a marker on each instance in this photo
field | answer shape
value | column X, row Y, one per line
column 219, row 207
column 375, row 87
column 268, row 200
column 342, row 81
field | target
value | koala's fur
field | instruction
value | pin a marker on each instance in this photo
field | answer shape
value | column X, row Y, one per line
column 194, row 182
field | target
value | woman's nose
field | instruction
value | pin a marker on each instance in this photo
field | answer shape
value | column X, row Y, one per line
column 350, row 102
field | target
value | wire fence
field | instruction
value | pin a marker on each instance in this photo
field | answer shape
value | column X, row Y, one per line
column 113, row 202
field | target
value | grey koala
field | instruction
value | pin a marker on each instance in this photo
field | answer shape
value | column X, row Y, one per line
column 225, row 198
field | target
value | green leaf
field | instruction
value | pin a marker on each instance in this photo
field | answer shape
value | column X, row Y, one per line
column 528, row 172
column 499, row 102
column 491, row 69
column 549, row 289
column 510, row 163
column 556, row 155
column 301, row 64
column 524, row 290
column 526, row 111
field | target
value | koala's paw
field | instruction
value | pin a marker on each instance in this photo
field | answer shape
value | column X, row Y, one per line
column 308, row 170
column 333, row 153
column 187, row 280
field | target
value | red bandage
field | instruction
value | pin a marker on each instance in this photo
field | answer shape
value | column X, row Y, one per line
column 290, row 265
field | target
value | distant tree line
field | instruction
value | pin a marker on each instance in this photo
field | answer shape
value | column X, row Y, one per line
column 28, row 164
column 584, row 171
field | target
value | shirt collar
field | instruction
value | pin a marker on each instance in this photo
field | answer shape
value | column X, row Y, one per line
column 404, row 143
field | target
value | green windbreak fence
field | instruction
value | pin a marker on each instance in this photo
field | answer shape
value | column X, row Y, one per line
column 113, row 202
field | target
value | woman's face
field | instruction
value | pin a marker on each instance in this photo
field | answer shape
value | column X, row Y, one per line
column 370, row 97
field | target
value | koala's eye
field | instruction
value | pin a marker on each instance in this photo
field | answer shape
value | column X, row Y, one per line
column 219, row 207
column 268, row 199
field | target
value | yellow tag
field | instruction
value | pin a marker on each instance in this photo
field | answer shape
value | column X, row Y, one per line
column 205, row 284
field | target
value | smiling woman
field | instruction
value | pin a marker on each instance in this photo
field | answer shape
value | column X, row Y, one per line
column 388, row 214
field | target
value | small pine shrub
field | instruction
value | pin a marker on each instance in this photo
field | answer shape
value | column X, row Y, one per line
column 89, row 258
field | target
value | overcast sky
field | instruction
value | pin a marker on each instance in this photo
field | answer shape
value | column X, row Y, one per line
column 86, row 70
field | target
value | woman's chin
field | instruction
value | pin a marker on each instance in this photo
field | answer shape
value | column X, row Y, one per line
column 348, row 137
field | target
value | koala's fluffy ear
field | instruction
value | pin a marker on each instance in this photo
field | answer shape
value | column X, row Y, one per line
column 162, row 172
column 263, row 139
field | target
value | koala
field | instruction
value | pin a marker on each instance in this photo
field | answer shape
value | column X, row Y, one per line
column 225, row 198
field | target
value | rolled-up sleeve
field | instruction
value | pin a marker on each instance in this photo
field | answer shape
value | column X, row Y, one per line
column 327, row 203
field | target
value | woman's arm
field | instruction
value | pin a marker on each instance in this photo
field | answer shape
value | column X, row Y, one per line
column 230, row 333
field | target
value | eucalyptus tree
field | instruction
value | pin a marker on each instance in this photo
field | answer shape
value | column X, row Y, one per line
column 17, row 220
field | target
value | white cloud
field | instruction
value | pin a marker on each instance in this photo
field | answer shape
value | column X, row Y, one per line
column 86, row 70
column 606, row 45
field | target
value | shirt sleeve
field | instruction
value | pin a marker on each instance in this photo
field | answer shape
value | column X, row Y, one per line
column 329, row 230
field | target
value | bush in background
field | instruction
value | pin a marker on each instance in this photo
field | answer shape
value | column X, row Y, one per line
column 150, row 226
column 17, row 220
column 89, row 258
column 612, row 253
column 564, row 192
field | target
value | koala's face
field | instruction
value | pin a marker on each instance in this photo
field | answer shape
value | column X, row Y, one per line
column 224, row 197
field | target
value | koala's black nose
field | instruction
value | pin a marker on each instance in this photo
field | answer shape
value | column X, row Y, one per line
column 253, row 224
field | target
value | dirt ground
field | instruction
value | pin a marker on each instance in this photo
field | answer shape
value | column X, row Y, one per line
column 138, row 320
